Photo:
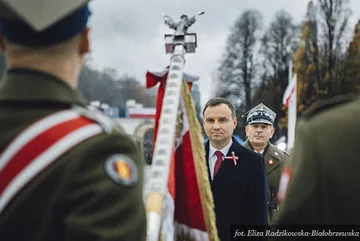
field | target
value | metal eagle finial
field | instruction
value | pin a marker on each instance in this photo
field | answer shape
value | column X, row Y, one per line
column 182, row 26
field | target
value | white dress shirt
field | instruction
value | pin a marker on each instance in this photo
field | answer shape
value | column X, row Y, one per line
column 212, row 156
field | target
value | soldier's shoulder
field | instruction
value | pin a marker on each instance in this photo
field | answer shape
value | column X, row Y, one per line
column 108, row 125
column 250, row 153
column 112, row 132
column 285, row 153
column 275, row 151
column 327, row 105
column 246, row 144
column 112, row 139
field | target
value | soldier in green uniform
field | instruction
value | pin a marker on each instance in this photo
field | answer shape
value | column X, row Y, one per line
column 324, row 182
column 66, row 173
column 259, row 129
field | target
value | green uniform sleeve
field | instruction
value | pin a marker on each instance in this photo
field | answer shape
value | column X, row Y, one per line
column 98, row 207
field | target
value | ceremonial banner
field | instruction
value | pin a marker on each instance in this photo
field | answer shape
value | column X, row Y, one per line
column 189, row 209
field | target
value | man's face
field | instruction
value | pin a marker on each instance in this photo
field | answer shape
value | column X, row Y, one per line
column 259, row 134
column 219, row 124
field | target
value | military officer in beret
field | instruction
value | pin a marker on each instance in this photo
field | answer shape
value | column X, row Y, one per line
column 259, row 130
column 325, row 181
column 66, row 173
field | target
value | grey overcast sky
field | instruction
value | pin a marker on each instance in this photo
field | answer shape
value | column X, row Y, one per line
column 128, row 35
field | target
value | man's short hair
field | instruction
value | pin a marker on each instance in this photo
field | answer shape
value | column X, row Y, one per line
column 218, row 101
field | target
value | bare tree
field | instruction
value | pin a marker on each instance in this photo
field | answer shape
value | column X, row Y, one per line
column 106, row 87
column 320, row 60
column 313, row 38
column 235, row 77
column 278, row 45
column 88, row 83
column 351, row 71
column 335, row 16
column 306, row 62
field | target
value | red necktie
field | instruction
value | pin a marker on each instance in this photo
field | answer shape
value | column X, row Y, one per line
column 218, row 162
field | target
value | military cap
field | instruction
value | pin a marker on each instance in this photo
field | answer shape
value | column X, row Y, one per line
column 260, row 114
column 42, row 22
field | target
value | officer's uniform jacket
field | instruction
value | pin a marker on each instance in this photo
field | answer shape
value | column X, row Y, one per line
column 275, row 161
column 74, row 198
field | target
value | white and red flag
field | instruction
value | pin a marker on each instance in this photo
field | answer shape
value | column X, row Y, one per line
column 290, row 91
column 289, row 100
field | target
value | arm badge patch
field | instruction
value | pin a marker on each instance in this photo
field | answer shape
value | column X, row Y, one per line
column 122, row 170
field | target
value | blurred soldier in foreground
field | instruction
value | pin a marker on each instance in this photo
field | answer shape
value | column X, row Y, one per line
column 66, row 173
column 259, row 129
column 324, row 185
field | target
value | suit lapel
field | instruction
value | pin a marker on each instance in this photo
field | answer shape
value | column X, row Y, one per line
column 207, row 159
column 225, row 166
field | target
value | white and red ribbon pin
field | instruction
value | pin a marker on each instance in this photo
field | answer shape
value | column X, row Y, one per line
column 232, row 157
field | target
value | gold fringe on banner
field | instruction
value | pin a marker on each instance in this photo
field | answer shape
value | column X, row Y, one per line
column 197, row 145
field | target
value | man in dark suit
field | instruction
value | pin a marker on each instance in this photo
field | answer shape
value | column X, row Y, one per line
column 238, row 177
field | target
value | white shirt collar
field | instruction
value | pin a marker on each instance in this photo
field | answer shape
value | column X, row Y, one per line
column 224, row 150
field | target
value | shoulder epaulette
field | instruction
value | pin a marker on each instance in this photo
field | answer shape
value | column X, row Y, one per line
column 105, row 122
column 324, row 105
column 286, row 153
column 282, row 152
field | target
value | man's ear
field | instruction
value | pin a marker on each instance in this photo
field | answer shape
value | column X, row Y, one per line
column 234, row 122
column 2, row 42
column 84, row 45
column 272, row 132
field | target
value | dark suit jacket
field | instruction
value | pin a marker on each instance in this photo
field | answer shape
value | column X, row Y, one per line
column 239, row 191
